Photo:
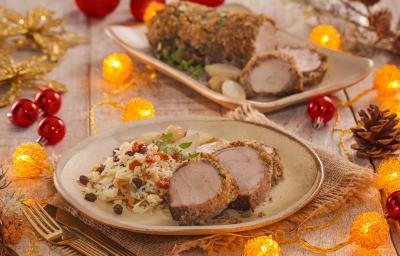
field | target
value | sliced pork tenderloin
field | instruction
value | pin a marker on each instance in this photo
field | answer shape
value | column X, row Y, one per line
column 312, row 63
column 271, row 74
column 277, row 166
column 199, row 190
column 251, row 165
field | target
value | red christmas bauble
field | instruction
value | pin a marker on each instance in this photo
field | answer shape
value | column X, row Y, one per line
column 23, row 113
column 52, row 129
column 97, row 8
column 138, row 7
column 321, row 110
column 49, row 101
column 393, row 205
column 209, row 3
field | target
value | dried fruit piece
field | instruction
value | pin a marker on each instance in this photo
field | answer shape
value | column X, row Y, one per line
column 90, row 197
column 101, row 168
column 223, row 70
column 115, row 159
column 138, row 182
column 163, row 183
column 150, row 159
column 84, row 180
column 134, row 164
column 233, row 89
column 163, row 156
column 139, row 147
column 215, row 83
column 129, row 153
column 176, row 156
column 118, row 209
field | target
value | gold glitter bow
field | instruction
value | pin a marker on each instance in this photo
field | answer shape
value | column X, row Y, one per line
column 38, row 29
column 28, row 74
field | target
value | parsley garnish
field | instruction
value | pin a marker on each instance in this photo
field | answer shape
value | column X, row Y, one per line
column 176, row 59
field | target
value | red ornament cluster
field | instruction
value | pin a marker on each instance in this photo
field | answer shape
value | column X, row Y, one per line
column 51, row 130
column 101, row 8
column 321, row 110
column 25, row 112
column 393, row 206
column 97, row 8
column 209, row 3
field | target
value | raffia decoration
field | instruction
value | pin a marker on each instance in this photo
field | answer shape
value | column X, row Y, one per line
column 39, row 29
column 220, row 243
column 376, row 135
column 28, row 74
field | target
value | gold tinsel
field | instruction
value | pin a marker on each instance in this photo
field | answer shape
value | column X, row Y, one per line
column 38, row 29
column 27, row 74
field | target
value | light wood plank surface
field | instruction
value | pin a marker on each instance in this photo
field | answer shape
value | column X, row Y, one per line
column 80, row 70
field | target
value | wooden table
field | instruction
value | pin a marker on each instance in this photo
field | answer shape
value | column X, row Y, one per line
column 80, row 70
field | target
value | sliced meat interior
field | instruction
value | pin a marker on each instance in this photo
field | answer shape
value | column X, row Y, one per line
column 271, row 74
column 199, row 190
column 251, row 166
column 311, row 62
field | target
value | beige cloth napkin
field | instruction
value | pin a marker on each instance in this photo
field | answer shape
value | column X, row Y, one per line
column 343, row 181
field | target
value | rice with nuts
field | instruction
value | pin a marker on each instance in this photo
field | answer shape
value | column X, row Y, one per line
column 136, row 176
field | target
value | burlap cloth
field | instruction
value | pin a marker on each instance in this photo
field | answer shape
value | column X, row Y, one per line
column 343, row 181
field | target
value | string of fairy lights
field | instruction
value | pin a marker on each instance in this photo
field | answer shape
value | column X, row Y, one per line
column 369, row 230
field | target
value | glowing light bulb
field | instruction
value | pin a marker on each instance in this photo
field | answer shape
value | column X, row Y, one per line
column 137, row 108
column 326, row 36
column 387, row 80
column 118, row 68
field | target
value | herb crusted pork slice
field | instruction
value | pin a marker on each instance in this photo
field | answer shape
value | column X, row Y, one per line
column 311, row 62
column 200, row 189
column 252, row 167
column 208, row 35
column 271, row 74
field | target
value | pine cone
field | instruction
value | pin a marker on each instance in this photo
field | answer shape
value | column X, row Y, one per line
column 381, row 21
column 368, row 2
column 12, row 228
column 376, row 135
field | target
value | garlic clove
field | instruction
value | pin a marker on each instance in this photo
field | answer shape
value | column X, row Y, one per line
column 176, row 131
column 215, row 83
column 223, row 70
column 233, row 89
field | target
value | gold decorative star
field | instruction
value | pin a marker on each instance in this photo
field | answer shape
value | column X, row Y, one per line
column 27, row 74
column 38, row 29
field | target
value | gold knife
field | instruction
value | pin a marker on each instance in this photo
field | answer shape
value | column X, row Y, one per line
column 86, row 231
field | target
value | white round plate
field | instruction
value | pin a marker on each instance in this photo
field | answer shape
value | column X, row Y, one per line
column 303, row 175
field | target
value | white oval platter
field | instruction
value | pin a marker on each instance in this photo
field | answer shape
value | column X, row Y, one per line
column 344, row 70
column 303, row 175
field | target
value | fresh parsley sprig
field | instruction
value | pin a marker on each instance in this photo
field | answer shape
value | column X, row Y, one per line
column 164, row 144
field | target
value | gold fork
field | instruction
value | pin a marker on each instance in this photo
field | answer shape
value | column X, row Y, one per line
column 52, row 232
